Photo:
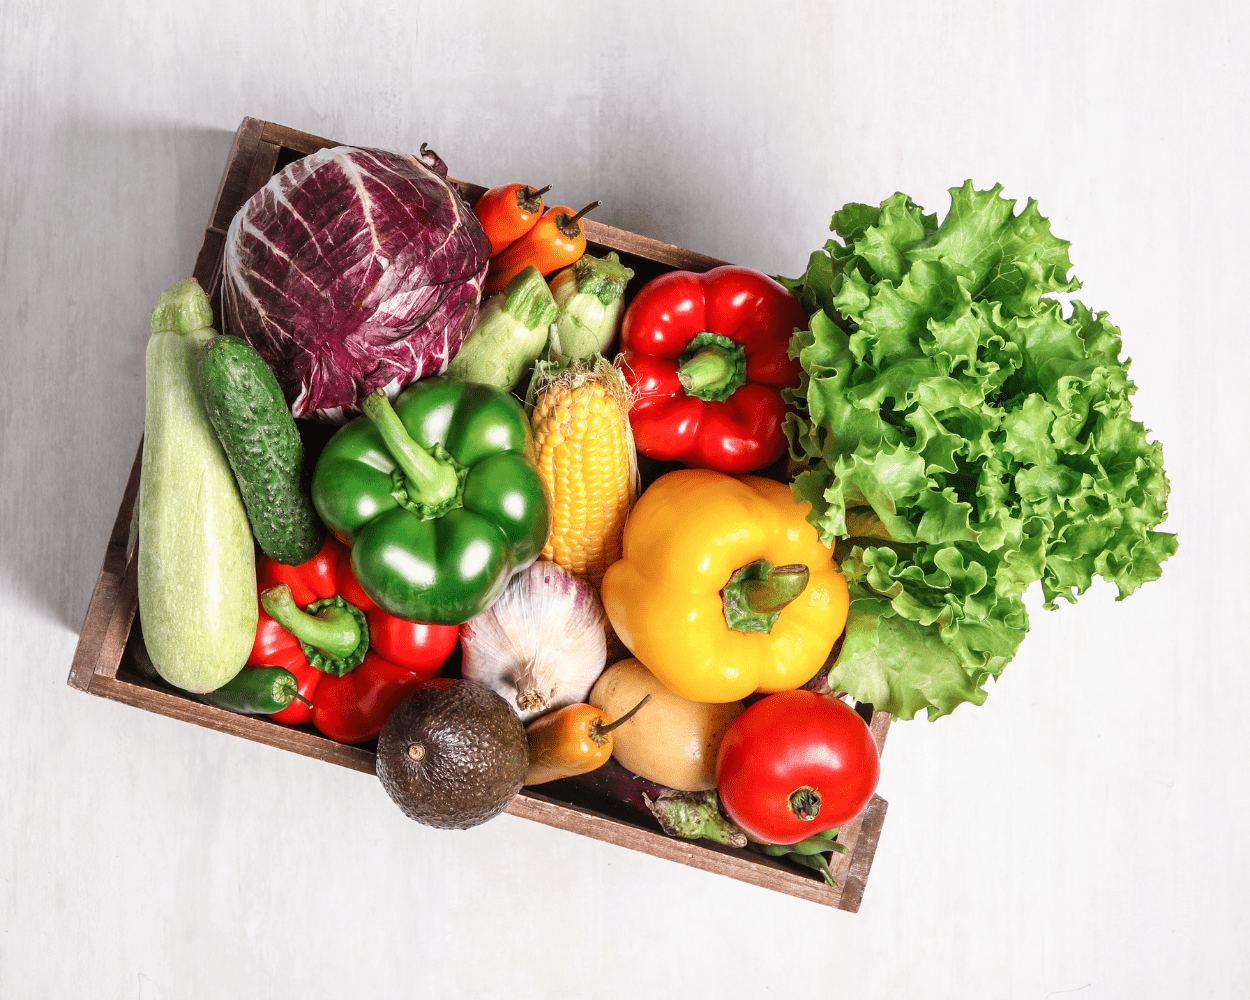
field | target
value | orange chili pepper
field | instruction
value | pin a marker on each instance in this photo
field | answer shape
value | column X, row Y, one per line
column 556, row 241
column 572, row 740
column 508, row 212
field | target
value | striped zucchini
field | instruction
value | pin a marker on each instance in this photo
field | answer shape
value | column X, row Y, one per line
column 197, row 564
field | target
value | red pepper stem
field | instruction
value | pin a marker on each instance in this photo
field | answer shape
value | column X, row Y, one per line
column 711, row 368
column 569, row 224
column 333, row 632
column 529, row 200
column 783, row 585
column 598, row 730
column 429, row 480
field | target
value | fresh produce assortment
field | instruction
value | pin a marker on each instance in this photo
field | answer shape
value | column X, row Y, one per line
column 677, row 634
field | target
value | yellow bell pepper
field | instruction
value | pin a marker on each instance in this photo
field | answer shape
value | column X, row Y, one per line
column 724, row 587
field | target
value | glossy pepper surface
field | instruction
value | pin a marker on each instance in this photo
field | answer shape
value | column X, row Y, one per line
column 707, row 356
column 438, row 497
column 349, row 691
column 557, row 240
column 508, row 212
column 724, row 588
column 571, row 740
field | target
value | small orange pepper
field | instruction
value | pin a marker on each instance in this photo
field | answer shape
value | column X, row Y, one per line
column 508, row 212
column 572, row 740
column 556, row 241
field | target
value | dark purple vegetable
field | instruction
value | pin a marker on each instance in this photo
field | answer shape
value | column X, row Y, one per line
column 353, row 269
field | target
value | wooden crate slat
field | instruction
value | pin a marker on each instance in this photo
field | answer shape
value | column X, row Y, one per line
column 234, row 180
column 144, row 694
column 643, row 246
column 263, row 165
column 855, row 878
column 704, row 855
column 105, row 621
column 293, row 139
column 257, row 150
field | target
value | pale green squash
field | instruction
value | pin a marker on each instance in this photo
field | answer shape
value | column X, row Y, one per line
column 197, row 568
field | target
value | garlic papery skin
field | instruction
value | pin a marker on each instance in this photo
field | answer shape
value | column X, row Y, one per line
column 541, row 645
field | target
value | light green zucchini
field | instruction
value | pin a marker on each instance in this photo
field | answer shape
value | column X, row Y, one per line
column 509, row 335
column 197, row 564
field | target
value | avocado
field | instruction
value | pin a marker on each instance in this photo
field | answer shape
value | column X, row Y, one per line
column 452, row 754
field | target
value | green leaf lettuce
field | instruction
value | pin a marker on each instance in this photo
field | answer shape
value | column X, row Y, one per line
column 960, row 439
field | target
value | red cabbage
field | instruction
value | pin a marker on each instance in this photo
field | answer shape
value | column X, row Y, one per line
column 352, row 269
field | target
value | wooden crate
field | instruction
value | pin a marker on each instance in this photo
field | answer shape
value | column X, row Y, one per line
column 108, row 657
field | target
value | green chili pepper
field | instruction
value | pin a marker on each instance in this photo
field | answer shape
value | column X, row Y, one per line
column 256, row 691
column 438, row 496
column 809, row 853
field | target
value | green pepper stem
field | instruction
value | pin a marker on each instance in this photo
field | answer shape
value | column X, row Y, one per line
column 711, row 369
column 333, row 632
column 429, row 480
column 691, row 815
column 783, row 585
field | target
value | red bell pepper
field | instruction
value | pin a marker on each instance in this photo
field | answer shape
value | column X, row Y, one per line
column 352, row 676
column 707, row 356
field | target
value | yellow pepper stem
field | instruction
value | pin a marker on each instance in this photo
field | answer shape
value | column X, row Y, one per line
column 756, row 593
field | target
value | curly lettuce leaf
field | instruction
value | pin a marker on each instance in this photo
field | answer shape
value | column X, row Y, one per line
column 985, row 437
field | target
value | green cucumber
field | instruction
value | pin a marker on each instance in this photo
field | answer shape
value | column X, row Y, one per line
column 197, row 564
column 250, row 416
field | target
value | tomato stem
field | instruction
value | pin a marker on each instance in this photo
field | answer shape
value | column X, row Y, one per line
column 805, row 803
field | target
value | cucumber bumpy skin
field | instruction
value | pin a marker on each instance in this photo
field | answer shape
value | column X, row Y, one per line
column 250, row 417
column 197, row 565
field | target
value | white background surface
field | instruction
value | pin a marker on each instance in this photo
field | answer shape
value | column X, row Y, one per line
column 1083, row 834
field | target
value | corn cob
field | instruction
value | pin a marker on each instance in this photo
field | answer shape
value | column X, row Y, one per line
column 586, row 457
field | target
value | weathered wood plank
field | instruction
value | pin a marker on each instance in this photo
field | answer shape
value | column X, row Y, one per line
column 259, row 729
column 234, row 179
column 643, row 246
column 855, row 877
column 105, row 620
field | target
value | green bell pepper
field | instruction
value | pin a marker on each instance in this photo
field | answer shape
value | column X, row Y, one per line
column 438, row 497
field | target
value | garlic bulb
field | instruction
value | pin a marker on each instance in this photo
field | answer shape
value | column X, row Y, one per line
column 542, row 644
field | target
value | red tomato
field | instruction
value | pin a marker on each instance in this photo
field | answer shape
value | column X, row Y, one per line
column 795, row 764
